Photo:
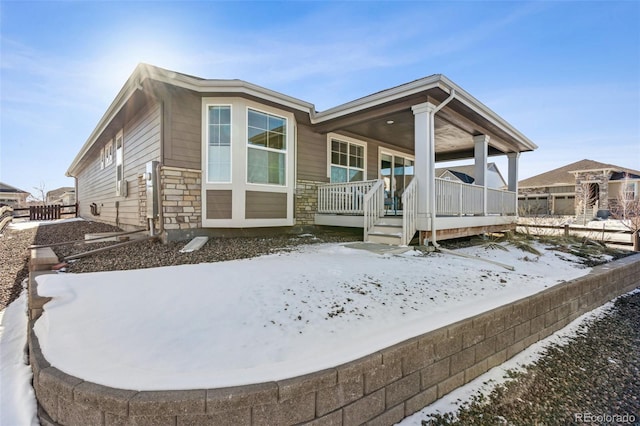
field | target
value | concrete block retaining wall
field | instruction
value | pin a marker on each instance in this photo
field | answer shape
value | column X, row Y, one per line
column 379, row 389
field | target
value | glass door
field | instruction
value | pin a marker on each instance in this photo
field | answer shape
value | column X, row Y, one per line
column 396, row 171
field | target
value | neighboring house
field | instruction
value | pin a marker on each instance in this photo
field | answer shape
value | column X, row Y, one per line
column 466, row 174
column 65, row 196
column 12, row 196
column 192, row 156
column 581, row 189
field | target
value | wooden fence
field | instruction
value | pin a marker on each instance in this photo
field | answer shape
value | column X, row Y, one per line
column 51, row 212
column 617, row 237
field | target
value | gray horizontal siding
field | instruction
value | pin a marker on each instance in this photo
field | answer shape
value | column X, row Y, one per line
column 312, row 155
column 141, row 144
column 265, row 205
column 219, row 204
column 183, row 132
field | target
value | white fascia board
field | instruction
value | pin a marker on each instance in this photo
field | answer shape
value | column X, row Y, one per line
column 421, row 85
column 229, row 86
column 144, row 72
column 379, row 98
column 129, row 88
column 471, row 102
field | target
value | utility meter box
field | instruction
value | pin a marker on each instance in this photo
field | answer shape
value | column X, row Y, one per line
column 152, row 182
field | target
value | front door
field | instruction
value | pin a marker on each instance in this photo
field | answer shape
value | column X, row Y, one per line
column 396, row 170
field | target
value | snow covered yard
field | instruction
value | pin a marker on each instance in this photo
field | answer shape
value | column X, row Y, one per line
column 272, row 317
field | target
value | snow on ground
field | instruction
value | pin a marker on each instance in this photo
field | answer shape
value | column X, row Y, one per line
column 17, row 399
column 485, row 383
column 272, row 317
column 20, row 225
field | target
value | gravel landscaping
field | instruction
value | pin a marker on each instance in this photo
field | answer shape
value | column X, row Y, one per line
column 594, row 378
column 145, row 254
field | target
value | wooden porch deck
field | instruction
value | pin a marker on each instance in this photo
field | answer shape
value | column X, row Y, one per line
column 461, row 210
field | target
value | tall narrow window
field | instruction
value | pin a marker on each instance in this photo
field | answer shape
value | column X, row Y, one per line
column 120, row 190
column 267, row 145
column 219, row 143
column 347, row 161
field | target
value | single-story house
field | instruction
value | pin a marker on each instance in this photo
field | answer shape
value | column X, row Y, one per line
column 581, row 189
column 65, row 196
column 188, row 156
column 12, row 196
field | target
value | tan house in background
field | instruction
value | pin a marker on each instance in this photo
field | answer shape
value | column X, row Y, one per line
column 65, row 196
column 582, row 189
column 187, row 156
column 12, row 196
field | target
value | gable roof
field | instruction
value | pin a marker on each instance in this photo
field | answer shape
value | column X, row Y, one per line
column 415, row 92
column 564, row 175
column 8, row 188
column 59, row 192
column 466, row 173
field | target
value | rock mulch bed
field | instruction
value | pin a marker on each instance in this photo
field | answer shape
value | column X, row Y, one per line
column 148, row 254
column 593, row 379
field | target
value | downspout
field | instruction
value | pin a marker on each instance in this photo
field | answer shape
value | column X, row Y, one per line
column 432, row 194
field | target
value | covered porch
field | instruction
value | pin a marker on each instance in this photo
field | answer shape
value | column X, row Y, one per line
column 416, row 125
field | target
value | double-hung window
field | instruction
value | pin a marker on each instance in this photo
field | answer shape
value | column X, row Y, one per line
column 219, row 143
column 347, row 161
column 267, row 148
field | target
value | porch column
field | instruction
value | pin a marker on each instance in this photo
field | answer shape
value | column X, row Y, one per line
column 513, row 175
column 424, row 166
column 481, row 150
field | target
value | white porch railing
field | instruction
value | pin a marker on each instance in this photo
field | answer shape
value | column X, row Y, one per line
column 343, row 198
column 457, row 198
column 501, row 202
column 373, row 206
column 410, row 212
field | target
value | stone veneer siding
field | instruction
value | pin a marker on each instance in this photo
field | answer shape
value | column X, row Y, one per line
column 142, row 201
column 181, row 198
column 306, row 201
column 378, row 389
column 583, row 180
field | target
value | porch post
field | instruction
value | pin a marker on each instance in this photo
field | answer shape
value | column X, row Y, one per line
column 424, row 166
column 481, row 150
column 513, row 175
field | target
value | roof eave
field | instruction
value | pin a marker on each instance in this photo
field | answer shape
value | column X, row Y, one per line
column 421, row 85
column 145, row 71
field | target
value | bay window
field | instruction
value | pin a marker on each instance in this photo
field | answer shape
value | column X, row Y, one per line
column 267, row 148
column 219, row 143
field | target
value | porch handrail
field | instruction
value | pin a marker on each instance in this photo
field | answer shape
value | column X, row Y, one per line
column 373, row 206
column 458, row 198
column 343, row 198
column 410, row 212
column 501, row 202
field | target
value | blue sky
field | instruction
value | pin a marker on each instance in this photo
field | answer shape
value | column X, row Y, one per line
column 566, row 74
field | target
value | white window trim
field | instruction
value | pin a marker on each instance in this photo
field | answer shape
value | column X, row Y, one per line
column 206, row 123
column 239, row 185
column 119, row 184
column 350, row 140
column 264, row 148
column 102, row 158
column 108, row 153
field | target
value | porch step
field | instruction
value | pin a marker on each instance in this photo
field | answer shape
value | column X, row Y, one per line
column 382, row 238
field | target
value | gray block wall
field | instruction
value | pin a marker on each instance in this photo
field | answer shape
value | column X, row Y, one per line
column 379, row 389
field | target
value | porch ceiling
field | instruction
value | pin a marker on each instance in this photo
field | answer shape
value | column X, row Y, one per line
column 455, row 126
